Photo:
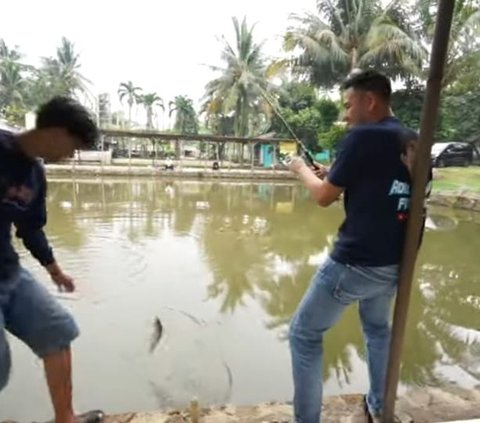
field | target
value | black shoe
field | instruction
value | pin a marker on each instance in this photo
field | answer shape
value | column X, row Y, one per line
column 94, row 416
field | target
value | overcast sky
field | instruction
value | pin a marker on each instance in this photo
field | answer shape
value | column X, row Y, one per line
column 160, row 45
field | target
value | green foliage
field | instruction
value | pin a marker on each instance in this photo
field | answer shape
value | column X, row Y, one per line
column 186, row 121
column 407, row 106
column 220, row 124
column 304, row 112
column 24, row 86
column 15, row 114
column 458, row 117
column 328, row 140
column 151, row 101
column 242, row 100
column 242, row 87
column 463, row 54
column 329, row 111
column 347, row 34
column 461, row 116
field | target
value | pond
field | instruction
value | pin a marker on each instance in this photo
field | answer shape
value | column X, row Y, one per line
column 223, row 266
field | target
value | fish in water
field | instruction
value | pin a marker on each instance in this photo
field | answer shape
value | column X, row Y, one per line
column 190, row 316
column 157, row 334
column 230, row 382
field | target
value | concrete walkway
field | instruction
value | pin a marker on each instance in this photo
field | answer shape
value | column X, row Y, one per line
column 184, row 172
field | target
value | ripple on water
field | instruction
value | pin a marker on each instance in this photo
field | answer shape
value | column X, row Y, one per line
column 187, row 363
column 129, row 254
column 108, row 262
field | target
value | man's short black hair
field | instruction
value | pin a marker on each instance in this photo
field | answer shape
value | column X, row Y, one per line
column 369, row 80
column 65, row 112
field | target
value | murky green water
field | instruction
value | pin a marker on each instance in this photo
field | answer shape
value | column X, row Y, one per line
column 224, row 265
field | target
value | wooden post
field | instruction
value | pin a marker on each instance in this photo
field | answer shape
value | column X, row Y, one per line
column 194, row 411
column 102, row 138
column 274, row 161
column 420, row 177
column 252, row 156
column 180, row 162
column 129, row 155
column 205, row 158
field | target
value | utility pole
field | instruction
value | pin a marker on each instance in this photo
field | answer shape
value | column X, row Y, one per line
column 421, row 170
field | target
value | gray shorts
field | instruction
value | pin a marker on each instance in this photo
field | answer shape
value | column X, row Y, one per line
column 29, row 312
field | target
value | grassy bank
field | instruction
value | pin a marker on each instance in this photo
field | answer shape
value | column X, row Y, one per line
column 457, row 179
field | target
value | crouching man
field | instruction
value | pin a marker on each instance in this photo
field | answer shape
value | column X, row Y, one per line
column 27, row 310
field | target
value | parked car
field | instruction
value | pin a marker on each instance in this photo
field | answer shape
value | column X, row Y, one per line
column 452, row 154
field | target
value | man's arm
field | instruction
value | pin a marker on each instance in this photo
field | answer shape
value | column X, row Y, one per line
column 326, row 185
column 322, row 191
column 29, row 226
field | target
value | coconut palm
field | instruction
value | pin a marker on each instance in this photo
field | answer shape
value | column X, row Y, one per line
column 12, row 83
column 185, row 116
column 151, row 101
column 242, row 83
column 463, row 53
column 186, row 121
column 62, row 72
column 132, row 93
column 349, row 34
column 7, row 53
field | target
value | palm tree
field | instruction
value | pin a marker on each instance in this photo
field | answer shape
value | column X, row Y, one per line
column 186, row 121
column 185, row 115
column 463, row 53
column 349, row 35
column 62, row 73
column 104, row 110
column 7, row 53
column 132, row 93
column 243, row 82
column 150, row 101
column 12, row 84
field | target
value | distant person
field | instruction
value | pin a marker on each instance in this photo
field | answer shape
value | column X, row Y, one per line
column 168, row 164
column 371, row 169
column 27, row 310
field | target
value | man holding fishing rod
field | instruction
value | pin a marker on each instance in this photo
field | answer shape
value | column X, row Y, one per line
column 27, row 310
column 372, row 171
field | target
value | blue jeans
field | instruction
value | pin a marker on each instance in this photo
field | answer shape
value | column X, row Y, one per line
column 333, row 288
column 29, row 312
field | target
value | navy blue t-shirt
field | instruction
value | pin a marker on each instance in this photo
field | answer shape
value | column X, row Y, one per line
column 27, row 214
column 377, row 188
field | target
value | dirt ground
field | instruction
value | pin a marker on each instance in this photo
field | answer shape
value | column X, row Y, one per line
column 417, row 406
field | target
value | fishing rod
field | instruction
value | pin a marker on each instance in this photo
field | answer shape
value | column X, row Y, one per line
column 305, row 152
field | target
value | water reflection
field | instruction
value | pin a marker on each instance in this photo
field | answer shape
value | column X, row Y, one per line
column 261, row 243
column 258, row 240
